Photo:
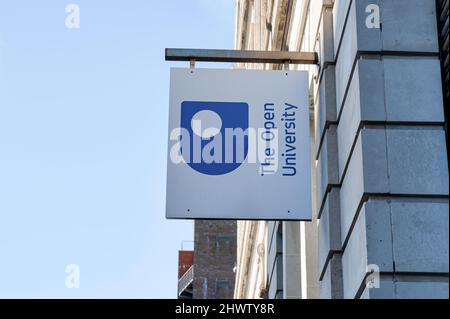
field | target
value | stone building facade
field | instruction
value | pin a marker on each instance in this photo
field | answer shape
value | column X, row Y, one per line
column 380, row 225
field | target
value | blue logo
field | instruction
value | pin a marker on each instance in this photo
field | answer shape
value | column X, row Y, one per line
column 213, row 148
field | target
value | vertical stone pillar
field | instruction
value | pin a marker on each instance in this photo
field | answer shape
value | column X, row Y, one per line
column 327, row 163
column 393, row 168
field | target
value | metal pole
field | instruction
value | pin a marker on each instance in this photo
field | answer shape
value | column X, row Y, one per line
column 207, row 55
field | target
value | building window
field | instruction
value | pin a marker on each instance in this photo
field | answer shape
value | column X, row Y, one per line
column 279, row 262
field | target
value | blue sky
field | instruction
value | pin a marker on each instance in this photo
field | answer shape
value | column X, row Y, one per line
column 83, row 139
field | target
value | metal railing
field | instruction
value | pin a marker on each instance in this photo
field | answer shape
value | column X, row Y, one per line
column 185, row 280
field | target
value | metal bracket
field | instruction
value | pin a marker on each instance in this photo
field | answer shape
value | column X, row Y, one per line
column 243, row 56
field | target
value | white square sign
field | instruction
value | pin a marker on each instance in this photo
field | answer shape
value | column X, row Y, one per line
column 239, row 145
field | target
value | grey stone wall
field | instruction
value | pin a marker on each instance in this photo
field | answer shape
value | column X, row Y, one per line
column 382, row 167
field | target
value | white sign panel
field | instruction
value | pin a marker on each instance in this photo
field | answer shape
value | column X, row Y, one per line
column 238, row 145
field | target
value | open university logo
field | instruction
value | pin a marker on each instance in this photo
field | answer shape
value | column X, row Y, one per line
column 216, row 142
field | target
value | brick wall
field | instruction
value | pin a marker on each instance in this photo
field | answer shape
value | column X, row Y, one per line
column 214, row 259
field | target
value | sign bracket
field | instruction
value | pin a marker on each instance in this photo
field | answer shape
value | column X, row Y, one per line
column 241, row 56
